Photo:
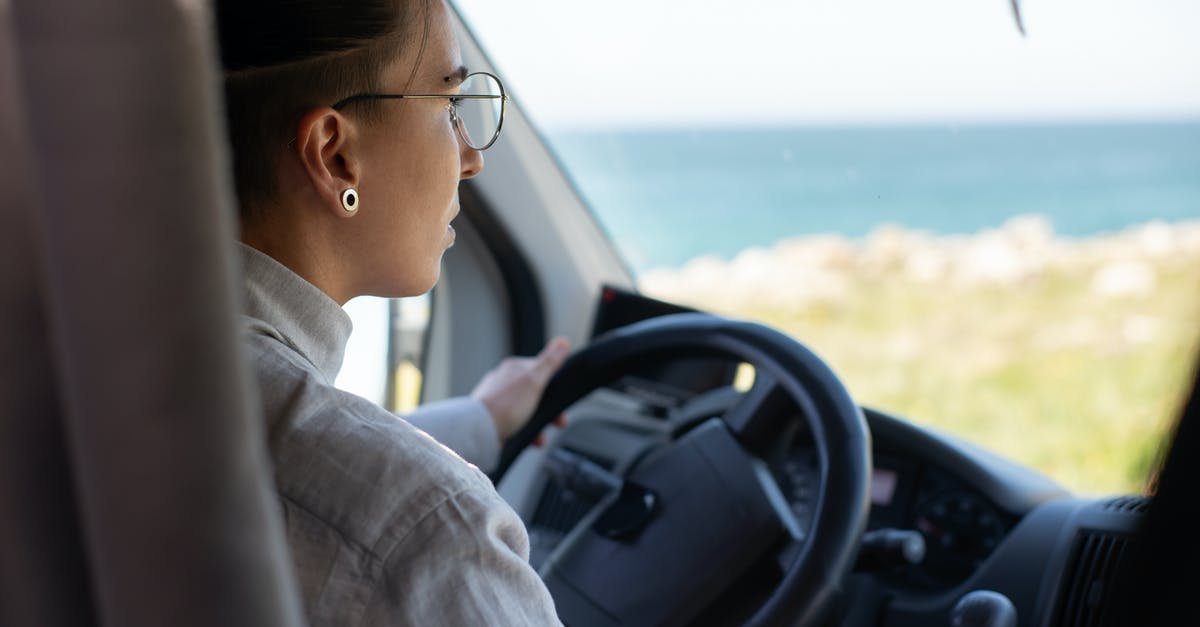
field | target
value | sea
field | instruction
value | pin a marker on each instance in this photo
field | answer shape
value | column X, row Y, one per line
column 668, row 196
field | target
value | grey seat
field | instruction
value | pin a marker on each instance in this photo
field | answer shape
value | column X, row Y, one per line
column 134, row 480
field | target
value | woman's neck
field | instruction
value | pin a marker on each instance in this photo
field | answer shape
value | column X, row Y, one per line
column 310, row 255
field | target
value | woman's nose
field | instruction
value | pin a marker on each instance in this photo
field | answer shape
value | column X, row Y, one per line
column 471, row 159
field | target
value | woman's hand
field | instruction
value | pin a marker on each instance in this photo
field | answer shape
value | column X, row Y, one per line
column 511, row 390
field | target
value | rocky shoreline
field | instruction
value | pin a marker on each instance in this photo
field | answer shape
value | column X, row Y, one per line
column 799, row 271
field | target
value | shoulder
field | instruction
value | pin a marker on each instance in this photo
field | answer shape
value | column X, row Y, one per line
column 270, row 354
column 466, row 563
column 348, row 462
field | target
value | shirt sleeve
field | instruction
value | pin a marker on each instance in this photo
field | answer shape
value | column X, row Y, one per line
column 464, row 425
column 465, row 563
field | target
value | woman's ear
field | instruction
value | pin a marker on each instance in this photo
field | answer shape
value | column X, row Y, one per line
column 325, row 145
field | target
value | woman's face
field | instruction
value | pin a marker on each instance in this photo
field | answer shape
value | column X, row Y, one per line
column 412, row 162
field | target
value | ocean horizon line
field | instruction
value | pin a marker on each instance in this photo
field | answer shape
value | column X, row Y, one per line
column 949, row 124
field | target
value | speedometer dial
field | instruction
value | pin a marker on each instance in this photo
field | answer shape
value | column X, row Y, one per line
column 960, row 531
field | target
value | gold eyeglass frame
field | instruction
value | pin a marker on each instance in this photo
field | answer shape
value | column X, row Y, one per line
column 452, row 106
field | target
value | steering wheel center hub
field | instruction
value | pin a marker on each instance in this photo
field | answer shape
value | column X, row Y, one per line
column 712, row 521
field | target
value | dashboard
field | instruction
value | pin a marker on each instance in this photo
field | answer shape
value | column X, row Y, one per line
column 959, row 526
column 981, row 522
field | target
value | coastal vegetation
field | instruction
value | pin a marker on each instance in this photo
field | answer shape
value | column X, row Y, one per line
column 1070, row 355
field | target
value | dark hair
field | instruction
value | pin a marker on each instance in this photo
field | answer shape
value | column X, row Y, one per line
column 283, row 57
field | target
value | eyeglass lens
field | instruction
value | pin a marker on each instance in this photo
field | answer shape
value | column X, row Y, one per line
column 479, row 118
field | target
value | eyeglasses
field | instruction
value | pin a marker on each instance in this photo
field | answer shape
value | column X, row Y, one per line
column 477, row 110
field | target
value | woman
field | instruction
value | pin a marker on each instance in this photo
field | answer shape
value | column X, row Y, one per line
column 348, row 153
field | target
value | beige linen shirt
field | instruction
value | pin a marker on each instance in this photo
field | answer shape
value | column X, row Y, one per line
column 386, row 525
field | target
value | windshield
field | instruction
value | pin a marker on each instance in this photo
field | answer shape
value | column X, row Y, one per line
column 992, row 233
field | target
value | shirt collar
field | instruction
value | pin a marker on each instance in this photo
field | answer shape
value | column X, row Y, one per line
column 304, row 317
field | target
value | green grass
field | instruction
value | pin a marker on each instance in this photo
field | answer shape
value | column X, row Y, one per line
column 1082, row 386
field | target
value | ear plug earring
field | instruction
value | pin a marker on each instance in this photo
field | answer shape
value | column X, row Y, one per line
column 350, row 200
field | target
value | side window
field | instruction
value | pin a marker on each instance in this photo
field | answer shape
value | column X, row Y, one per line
column 992, row 231
column 384, row 358
column 408, row 329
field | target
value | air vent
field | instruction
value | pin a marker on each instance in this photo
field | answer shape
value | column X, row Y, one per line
column 559, row 510
column 1127, row 505
column 1090, row 578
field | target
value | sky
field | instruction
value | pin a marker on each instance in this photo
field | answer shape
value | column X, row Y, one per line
column 761, row 62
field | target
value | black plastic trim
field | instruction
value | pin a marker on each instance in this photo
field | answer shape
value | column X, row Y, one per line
column 527, row 313
column 1014, row 488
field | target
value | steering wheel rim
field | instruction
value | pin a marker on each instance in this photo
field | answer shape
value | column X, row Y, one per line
column 811, row 584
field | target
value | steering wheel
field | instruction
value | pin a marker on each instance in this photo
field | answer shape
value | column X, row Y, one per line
column 693, row 517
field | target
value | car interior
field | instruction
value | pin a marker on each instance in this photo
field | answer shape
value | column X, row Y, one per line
column 713, row 471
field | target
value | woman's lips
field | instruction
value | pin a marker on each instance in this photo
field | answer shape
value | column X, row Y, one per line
column 450, row 227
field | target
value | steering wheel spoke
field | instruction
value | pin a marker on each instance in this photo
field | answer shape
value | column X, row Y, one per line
column 754, row 417
column 779, row 503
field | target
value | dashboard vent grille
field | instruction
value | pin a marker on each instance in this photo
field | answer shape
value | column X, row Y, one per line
column 1096, row 561
column 559, row 510
column 1127, row 504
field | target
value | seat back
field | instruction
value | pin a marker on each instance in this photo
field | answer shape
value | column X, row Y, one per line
column 134, row 481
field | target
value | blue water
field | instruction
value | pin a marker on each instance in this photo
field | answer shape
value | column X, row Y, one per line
column 668, row 196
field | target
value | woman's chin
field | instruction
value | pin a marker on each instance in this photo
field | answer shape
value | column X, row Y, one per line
column 407, row 286
column 432, row 279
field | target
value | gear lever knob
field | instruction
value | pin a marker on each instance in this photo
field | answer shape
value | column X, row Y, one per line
column 983, row 608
